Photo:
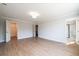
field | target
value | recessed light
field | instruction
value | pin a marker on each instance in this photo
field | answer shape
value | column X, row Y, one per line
column 34, row 14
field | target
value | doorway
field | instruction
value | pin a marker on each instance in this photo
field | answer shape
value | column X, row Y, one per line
column 13, row 31
column 71, row 32
column 36, row 31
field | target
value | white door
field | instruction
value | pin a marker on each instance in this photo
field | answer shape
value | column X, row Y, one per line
column 77, row 31
column 7, row 31
column 73, row 31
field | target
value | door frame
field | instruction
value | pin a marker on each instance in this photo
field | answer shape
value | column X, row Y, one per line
column 8, row 30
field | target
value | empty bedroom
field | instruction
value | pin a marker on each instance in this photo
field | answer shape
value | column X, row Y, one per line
column 39, row 29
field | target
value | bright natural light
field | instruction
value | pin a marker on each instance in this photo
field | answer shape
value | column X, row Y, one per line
column 70, row 43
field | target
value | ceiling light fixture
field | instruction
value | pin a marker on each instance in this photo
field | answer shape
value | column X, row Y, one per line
column 34, row 14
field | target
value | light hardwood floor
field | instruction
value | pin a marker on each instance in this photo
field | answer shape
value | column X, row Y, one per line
column 37, row 47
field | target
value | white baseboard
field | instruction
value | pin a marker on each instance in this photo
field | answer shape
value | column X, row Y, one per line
column 53, row 40
column 24, row 37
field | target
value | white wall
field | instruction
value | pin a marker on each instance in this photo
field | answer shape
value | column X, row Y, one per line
column 0, row 10
column 2, row 30
column 53, row 30
column 24, row 30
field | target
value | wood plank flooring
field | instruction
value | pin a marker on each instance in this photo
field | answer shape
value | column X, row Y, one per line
column 37, row 47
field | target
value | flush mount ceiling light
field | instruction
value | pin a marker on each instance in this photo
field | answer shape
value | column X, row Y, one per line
column 34, row 14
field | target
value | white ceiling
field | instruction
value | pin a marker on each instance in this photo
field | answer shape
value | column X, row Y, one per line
column 47, row 11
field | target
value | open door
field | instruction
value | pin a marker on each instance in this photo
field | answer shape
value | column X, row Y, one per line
column 71, row 32
column 77, row 31
column 7, row 30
